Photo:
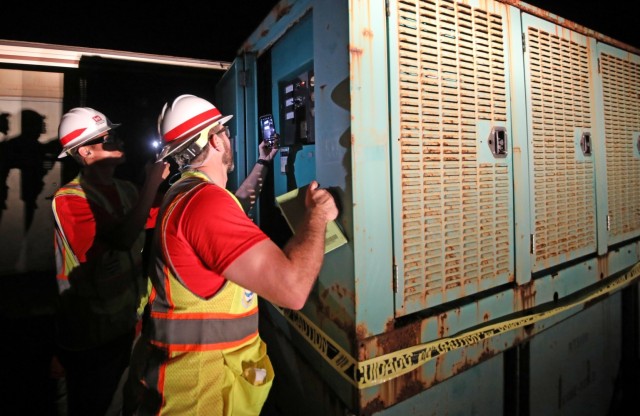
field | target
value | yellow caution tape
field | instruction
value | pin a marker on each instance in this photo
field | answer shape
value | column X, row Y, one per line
column 378, row 370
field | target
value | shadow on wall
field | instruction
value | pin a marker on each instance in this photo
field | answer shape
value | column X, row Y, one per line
column 28, row 177
column 30, row 157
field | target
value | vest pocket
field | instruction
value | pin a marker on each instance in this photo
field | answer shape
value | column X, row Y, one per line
column 251, row 388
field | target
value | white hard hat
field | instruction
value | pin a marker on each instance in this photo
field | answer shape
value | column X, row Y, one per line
column 181, row 123
column 80, row 125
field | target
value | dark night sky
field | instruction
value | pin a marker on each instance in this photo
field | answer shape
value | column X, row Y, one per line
column 215, row 30
column 616, row 19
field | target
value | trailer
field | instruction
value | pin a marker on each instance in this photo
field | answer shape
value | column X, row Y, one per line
column 38, row 83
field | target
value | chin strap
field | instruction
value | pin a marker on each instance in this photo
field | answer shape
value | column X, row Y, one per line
column 185, row 156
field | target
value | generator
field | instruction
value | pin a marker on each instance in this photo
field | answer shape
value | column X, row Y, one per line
column 486, row 158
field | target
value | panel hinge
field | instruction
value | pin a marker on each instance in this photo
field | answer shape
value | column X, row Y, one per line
column 608, row 222
column 242, row 78
column 598, row 65
column 395, row 278
column 532, row 243
column 524, row 42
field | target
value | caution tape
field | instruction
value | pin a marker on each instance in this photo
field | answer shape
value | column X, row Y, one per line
column 378, row 370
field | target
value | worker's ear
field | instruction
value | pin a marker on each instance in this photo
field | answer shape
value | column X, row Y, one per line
column 216, row 142
column 84, row 151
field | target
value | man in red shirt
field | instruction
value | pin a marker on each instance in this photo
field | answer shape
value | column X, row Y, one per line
column 200, row 351
column 99, row 236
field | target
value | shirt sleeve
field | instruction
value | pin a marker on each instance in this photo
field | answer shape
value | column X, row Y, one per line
column 77, row 222
column 152, row 218
column 219, row 229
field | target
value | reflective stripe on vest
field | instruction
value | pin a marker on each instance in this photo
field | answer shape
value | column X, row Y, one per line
column 201, row 333
column 179, row 319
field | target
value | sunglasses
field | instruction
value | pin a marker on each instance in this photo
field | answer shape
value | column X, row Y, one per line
column 109, row 138
column 224, row 130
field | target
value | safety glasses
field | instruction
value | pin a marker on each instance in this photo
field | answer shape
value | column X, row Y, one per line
column 224, row 130
column 109, row 138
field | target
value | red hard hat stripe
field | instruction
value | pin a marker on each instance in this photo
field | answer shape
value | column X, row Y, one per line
column 187, row 126
column 72, row 135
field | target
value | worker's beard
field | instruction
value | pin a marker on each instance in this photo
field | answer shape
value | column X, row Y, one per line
column 227, row 158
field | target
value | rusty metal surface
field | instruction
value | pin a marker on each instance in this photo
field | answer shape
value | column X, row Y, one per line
column 621, row 102
column 281, row 18
column 455, row 205
column 560, row 89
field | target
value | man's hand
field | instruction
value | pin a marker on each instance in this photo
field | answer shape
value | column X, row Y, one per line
column 267, row 153
column 157, row 172
column 320, row 203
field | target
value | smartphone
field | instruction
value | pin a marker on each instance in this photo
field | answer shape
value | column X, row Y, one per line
column 268, row 130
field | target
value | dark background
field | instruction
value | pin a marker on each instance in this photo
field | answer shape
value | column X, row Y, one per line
column 215, row 30
column 212, row 30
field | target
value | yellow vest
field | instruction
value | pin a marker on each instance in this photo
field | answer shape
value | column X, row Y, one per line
column 201, row 355
column 99, row 300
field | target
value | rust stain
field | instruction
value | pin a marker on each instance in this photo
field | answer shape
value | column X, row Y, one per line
column 340, row 291
column 282, row 10
column 443, row 329
column 526, row 293
column 336, row 313
column 367, row 33
column 397, row 390
column 467, row 363
column 361, row 331
column 399, row 338
column 372, row 407
column 603, row 267
column 409, row 388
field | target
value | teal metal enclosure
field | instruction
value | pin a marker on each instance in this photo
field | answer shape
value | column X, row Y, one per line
column 486, row 156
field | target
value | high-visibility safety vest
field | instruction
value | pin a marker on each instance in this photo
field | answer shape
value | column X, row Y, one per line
column 102, row 298
column 198, row 356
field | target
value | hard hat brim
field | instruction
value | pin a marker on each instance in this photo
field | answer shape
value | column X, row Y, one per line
column 65, row 151
column 173, row 148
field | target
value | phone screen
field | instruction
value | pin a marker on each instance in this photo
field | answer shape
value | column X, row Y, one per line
column 267, row 129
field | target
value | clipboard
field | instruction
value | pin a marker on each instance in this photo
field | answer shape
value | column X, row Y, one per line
column 292, row 206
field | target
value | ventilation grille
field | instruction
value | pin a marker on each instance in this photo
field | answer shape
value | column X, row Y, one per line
column 564, row 200
column 455, row 210
column 621, row 93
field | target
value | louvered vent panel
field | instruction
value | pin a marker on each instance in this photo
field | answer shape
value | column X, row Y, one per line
column 621, row 91
column 455, row 210
column 564, row 201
